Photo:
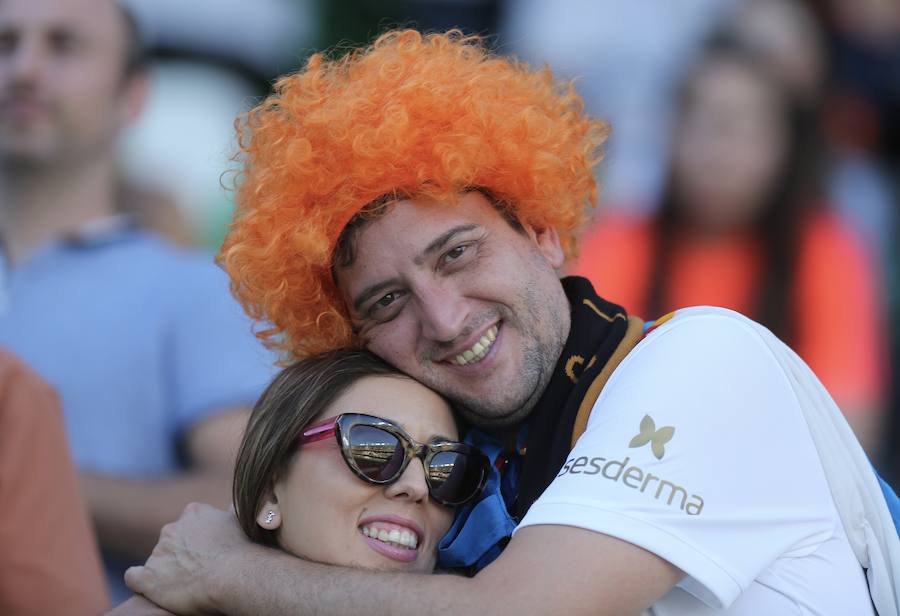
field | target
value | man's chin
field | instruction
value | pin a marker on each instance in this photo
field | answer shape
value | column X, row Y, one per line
column 508, row 409
column 26, row 156
column 494, row 416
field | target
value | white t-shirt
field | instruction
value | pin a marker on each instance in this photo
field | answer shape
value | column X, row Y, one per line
column 697, row 451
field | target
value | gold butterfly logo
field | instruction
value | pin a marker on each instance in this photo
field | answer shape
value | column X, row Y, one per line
column 656, row 438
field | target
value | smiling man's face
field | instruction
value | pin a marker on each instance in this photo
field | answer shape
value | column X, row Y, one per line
column 460, row 300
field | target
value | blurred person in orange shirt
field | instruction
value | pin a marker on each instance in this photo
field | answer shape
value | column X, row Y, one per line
column 863, row 116
column 742, row 225
column 49, row 563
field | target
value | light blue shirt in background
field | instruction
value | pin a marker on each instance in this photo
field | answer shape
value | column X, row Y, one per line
column 141, row 340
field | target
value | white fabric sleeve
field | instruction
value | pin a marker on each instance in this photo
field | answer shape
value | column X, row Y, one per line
column 697, row 452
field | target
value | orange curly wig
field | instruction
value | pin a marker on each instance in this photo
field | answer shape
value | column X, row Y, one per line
column 419, row 115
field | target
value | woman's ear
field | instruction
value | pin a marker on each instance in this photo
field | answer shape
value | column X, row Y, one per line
column 269, row 515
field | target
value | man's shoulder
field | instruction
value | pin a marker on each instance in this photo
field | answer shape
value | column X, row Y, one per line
column 693, row 355
column 700, row 318
column 126, row 278
column 146, row 260
column 156, row 251
column 687, row 328
column 122, row 252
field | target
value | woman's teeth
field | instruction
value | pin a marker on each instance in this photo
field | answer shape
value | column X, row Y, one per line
column 401, row 539
column 478, row 350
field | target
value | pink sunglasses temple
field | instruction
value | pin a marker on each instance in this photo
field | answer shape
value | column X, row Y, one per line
column 318, row 432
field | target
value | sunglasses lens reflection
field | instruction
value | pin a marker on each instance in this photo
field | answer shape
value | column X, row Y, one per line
column 454, row 476
column 377, row 453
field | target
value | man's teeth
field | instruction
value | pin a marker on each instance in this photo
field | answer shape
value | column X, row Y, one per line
column 401, row 539
column 478, row 350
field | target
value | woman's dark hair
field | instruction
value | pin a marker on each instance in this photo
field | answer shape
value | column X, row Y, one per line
column 793, row 192
column 296, row 397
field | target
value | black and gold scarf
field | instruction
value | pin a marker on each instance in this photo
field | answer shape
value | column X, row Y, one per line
column 601, row 336
column 598, row 330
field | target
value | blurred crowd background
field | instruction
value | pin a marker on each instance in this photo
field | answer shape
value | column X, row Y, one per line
column 754, row 161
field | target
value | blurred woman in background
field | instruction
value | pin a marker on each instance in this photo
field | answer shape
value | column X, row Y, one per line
column 742, row 225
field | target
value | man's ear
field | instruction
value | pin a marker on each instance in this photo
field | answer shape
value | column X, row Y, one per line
column 269, row 515
column 133, row 98
column 547, row 241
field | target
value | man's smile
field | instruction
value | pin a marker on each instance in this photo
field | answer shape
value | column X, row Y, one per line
column 479, row 350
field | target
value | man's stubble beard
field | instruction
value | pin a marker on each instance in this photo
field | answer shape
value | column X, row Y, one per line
column 506, row 413
column 18, row 164
column 539, row 361
column 61, row 150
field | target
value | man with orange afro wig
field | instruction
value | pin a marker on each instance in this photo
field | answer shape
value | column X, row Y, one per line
column 418, row 198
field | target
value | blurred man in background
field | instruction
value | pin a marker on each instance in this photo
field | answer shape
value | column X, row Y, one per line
column 154, row 362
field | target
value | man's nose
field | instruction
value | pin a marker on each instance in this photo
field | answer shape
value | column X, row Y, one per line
column 443, row 313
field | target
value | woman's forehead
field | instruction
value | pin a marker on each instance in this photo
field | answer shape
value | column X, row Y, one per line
column 418, row 410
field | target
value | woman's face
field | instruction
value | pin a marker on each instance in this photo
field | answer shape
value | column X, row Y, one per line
column 323, row 507
column 729, row 145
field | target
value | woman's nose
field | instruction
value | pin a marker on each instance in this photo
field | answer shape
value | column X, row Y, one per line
column 411, row 484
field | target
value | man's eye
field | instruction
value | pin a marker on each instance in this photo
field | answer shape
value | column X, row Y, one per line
column 8, row 42
column 63, row 41
column 385, row 301
column 386, row 306
column 455, row 253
